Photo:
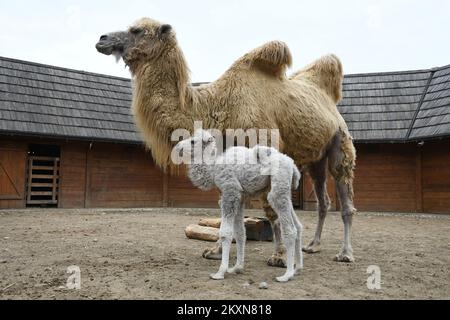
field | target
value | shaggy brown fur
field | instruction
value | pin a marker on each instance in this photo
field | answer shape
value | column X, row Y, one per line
column 253, row 93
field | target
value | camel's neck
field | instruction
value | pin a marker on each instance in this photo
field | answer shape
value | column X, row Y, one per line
column 202, row 174
column 162, row 85
column 162, row 103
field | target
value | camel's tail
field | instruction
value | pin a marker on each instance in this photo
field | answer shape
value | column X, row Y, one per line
column 327, row 73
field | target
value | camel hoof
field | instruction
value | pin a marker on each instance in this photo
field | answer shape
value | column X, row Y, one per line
column 212, row 254
column 236, row 270
column 277, row 261
column 347, row 258
column 312, row 248
column 284, row 278
column 217, row 276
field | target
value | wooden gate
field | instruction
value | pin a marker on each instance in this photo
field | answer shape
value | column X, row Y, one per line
column 43, row 180
column 12, row 177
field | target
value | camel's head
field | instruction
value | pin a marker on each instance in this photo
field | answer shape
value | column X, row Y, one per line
column 144, row 40
column 200, row 144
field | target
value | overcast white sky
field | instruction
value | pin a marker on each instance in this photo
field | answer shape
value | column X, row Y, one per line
column 368, row 36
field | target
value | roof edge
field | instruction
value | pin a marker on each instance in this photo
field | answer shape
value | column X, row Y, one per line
column 38, row 64
column 64, row 137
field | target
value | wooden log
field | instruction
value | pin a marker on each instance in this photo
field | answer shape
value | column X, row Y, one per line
column 209, row 222
column 258, row 229
column 195, row 231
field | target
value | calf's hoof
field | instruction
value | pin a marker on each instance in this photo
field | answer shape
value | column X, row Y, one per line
column 236, row 270
column 217, row 276
column 285, row 278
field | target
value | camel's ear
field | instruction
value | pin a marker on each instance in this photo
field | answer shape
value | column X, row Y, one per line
column 207, row 137
column 164, row 31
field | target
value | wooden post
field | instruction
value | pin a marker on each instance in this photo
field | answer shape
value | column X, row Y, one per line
column 419, row 187
column 55, row 179
column 165, row 189
column 30, row 170
column 87, row 187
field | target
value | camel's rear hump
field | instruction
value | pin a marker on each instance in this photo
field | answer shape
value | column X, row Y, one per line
column 327, row 73
column 273, row 58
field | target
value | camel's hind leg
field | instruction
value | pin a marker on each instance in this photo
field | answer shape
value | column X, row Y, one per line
column 298, row 242
column 341, row 160
column 214, row 253
column 278, row 259
column 318, row 172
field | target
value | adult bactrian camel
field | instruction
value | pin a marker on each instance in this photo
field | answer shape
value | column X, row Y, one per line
column 253, row 93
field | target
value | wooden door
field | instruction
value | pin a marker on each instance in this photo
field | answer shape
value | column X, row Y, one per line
column 12, row 174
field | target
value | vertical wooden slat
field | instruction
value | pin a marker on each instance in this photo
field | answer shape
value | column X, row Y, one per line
column 55, row 174
column 30, row 178
column 87, row 189
column 165, row 189
column 419, row 187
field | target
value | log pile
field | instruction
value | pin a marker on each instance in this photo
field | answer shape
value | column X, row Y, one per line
column 257, row 229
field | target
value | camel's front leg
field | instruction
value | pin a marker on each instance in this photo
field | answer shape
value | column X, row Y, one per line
column 226, row 237
column 240, row 236
column 231, row 203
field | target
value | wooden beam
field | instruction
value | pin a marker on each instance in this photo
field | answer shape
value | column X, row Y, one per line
column 51, row 159
column 45, row 168
column 42, row 193
column 29, row 178
column 419, row 187
column 41, row 202
column 41, row 185
column 44, row 176
column 87, row 187
column 165, row 189
column 55, row 179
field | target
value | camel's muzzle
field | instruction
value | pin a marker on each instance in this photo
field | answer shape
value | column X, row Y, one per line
column 108, row 45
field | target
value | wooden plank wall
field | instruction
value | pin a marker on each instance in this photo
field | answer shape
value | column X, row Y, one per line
column 309, row 197
column 385, row 178
column 122, row 176
column 436, row 177
column 73, row 175
column 182, row 193
column 389, row 177
column 13, row 162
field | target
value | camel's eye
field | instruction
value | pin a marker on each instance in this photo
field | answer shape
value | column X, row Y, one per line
column 192, row 142
column 136, row 30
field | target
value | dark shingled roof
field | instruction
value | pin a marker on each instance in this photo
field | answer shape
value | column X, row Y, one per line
column 44, row 100
column 397, row 106
column 49, row 101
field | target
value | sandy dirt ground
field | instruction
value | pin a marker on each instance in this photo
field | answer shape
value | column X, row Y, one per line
column 144, row 254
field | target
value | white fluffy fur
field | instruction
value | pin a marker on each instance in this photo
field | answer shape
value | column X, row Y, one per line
column 239, row 173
